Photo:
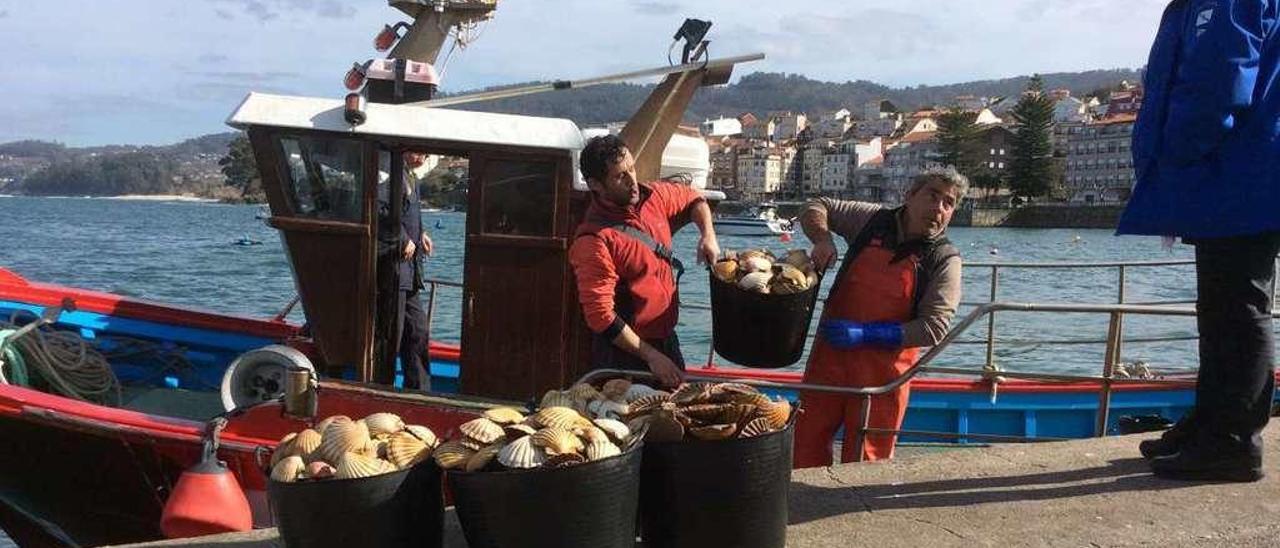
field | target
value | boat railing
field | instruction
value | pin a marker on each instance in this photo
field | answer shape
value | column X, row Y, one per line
column 1107, row 380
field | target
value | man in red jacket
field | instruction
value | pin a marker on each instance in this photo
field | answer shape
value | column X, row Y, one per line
column 622, row 258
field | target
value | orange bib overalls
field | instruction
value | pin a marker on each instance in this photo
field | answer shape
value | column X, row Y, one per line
column 874, row 289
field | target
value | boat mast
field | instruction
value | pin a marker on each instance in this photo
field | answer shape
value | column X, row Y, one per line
column 433, row 21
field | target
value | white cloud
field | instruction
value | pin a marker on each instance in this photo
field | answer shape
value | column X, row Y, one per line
column 209, row 53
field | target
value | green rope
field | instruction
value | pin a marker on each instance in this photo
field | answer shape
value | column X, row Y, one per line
column 12, row 359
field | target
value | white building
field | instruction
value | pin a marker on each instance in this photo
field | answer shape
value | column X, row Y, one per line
column 721, row 127
column 759, row 173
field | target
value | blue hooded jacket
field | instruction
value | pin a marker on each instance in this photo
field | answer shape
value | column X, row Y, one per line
column 1205, row 146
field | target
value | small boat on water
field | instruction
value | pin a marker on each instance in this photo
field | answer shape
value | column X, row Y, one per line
column 760, row 220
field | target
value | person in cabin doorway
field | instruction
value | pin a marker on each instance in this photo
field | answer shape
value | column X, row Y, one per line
column 621, row 256
column 411, row 245
column 1206, row 148
column 896, row 291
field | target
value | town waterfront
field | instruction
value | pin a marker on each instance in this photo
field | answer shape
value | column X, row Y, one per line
column 187, row 254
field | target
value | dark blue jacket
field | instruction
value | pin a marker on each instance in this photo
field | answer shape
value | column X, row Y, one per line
column 392, row 240
column 1205, row 147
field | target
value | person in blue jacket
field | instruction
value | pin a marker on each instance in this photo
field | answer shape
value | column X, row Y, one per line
column 1206, row 149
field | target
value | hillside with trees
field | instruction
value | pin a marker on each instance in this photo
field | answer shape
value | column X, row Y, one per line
column 221, row 165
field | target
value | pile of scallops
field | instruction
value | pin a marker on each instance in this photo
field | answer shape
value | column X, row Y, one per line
column 708, row 411
column 554, row 436
column 760, row 271
column 341, row 448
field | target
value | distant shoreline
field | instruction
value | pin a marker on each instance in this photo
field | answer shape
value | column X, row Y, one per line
column 127, row 197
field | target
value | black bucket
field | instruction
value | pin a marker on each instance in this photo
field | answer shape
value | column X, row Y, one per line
column 757, row 329
column 590, row 505
column 718, row 494
column 399, row 509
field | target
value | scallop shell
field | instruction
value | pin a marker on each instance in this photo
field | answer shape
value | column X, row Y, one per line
column 339, row 438
column 423, row 433
column 646, row 404
column 482, row 430
column 777, row 412
column 289, row 469
column 598, row 450
column 726, row 270
column 591, row 434
column 758, row 400
column 799, row 259
column 755, row 428
column 567, row 459
column 638, row 391
column 705, row 412
column 562, row 417
column 319, row 470
column 470, row 443
column 284, row 448
column 744, row 255
column 663, row 427
column 451, row 455
column 692, row 392
column 356, row 465
column 736, row 413
column 405, row 449
column 307, row 442
column 522, row 454
column 375, row 448
column 383, row 424
column 504, row 415
column 756, row 281
column 615, row 389
column 584, row 391
column 724, row 391
column 754, row 264
column 324, row 423
column 714, row 431
column 483, row 457
column 556, row 441
column 556, row 398
column 787, row 280
column 616, row 430
column 517, row 431
column 607, row 409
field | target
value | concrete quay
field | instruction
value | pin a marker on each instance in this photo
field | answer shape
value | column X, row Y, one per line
column 1095, row 492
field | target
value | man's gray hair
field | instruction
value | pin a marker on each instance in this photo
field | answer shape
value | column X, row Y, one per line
column 946, row 175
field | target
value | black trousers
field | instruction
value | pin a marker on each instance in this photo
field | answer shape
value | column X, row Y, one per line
column 1237, row 370
column 411, row 322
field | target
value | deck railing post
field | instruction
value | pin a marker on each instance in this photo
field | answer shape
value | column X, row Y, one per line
column 1110, row 357
column 991, row 319
column 860, row 439
column 431, row 312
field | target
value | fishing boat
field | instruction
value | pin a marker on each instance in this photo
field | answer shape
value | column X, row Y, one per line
column 91, row 450
column 760, row 220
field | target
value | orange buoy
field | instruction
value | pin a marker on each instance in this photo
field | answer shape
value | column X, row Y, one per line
column 207, row 499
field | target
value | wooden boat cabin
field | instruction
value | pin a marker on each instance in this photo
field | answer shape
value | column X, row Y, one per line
column 522, row 331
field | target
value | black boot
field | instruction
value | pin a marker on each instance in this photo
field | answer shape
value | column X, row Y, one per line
column 1171, row 440
column 1204, row 459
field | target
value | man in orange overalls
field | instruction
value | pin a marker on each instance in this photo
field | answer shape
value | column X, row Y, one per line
column 896, row 291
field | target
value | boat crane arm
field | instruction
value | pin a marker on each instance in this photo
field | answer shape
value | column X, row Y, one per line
column 712, row 66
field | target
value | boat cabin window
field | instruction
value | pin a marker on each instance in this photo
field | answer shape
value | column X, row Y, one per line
column 519, row 197
column 324, row 177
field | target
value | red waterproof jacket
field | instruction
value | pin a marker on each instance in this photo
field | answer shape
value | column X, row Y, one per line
column 608, row 263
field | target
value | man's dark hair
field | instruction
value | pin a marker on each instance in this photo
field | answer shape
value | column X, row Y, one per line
column 600, row 152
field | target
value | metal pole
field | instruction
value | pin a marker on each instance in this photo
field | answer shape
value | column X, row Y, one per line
column 860, row 440
column 991, row 319
column 1108, row 369
column 431, row 313
column 586, row 82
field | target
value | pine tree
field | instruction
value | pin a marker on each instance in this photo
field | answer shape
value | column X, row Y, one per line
column 957, row 140
column 239, row 166
column 1031, row 162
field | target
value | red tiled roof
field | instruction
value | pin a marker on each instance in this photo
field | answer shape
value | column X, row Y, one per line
column 919, row 137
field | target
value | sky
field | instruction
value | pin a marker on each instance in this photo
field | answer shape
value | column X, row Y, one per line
column 91, row 72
